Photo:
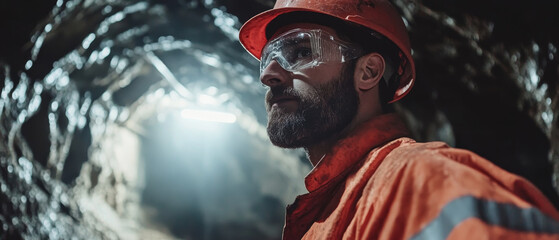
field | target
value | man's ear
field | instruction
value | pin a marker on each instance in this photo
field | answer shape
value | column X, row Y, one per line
column 369, row 71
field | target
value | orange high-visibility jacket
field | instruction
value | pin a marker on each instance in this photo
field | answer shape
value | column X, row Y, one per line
column 377, row 184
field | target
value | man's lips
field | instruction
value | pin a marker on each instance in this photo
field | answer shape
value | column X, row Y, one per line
column 281, row 100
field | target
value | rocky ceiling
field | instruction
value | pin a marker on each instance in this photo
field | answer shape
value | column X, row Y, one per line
column 98, row 140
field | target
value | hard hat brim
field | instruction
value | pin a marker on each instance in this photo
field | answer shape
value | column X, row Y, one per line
column 253, row 33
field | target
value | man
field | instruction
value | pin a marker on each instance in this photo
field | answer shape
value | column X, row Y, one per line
column 332, row 68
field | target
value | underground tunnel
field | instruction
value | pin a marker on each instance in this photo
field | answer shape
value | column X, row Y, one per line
column 145, row 119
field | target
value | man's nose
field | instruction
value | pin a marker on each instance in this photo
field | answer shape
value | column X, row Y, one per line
column 274, row 75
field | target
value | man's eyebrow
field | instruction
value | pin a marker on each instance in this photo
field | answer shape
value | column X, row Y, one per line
column 297, row 41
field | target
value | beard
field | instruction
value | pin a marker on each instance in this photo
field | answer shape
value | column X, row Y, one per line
column 320, row 114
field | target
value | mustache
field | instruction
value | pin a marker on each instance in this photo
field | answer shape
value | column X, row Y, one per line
column 276, row 93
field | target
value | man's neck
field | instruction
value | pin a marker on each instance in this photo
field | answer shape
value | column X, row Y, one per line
column 316, row 152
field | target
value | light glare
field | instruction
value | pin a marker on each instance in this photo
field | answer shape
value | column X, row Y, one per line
column 208, row 116
column 207, row 99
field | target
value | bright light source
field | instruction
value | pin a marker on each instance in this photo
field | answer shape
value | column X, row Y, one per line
column 207, row 99
column 209, row 116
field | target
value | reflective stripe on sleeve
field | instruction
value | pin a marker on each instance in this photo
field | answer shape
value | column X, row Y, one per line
column 504, row 215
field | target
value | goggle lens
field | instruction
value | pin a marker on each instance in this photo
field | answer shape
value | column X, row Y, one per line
column 301, row 49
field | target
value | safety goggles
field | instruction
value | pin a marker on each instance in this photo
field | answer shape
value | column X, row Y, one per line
column 299, row 49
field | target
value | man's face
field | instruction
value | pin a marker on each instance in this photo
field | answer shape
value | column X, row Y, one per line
column 306, row 106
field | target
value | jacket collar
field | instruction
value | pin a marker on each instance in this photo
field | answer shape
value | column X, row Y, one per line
column 354, row 147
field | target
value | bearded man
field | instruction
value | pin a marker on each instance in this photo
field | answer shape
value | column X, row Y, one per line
column 332, row 68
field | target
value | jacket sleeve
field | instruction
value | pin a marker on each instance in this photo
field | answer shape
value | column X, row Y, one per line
column 446, row 193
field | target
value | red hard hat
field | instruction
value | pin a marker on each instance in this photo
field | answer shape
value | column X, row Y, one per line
column 378, row 15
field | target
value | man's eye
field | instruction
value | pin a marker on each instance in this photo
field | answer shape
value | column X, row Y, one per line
column 303, row 53
column 298, row 54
